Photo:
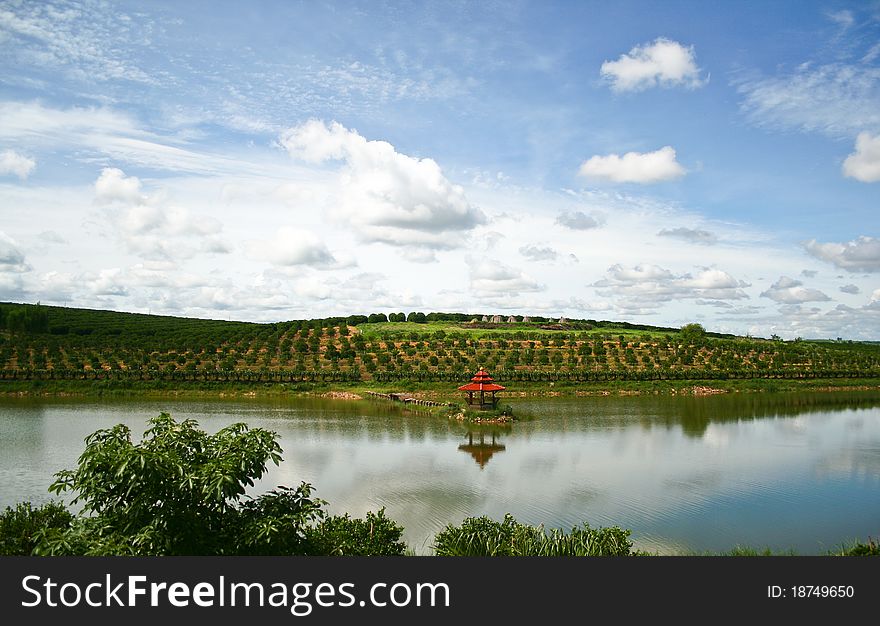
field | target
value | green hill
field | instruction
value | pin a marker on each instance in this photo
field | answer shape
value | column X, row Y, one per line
column 57, row 343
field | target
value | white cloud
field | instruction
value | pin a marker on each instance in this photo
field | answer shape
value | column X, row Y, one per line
column 644, row 287
column 386, row 196
column 419, row 255
column 83, row 41
column 860, row 255
column 840, row 321
column 11, row 162
column 864, row 163
column 489, row 276
column 663, row 63
column 692, row 235
column 577, row 220
column 12, row 287
column 790, row 291
column 634, row 167
column 95, row 132
column 835, row 99
column 293, row 246
column 843, row 18
column 108, row 282
column 114, row 186
column 50, row 236
column 148, row 226
column 535, row 253
column 853, row 289
column 12, row 259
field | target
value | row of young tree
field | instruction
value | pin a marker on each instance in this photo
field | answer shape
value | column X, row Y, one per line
column 334, row 349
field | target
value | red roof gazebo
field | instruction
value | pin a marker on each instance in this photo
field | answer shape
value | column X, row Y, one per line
column 482, row 383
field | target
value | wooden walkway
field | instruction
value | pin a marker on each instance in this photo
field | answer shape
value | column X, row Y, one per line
column 405, row 398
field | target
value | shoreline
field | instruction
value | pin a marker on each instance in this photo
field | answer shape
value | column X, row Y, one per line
column 427, row 391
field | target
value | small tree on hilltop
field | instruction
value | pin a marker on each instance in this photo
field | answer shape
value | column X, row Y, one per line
column 691, row 333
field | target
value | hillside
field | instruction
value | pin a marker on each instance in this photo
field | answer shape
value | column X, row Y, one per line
column 56, row 343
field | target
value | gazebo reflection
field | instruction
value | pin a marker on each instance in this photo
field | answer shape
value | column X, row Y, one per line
column 479, row 448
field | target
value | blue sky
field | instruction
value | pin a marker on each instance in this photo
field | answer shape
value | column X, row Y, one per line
column 658, row 163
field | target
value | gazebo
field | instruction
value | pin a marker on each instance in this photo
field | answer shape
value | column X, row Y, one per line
column 482, row 383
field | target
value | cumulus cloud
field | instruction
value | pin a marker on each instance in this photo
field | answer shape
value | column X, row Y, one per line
column 488, row 276
column 535, row 253
column 662, row 63
column 692, row 235
column 644, row 287
column 107, row 282
column 12, row 162
column 114, row 186
column 386, row 196
column 12, row 259
column 864, row 163
column 12, row 287
column 148, row 226
column 860, row 255
column 634, row 167
column 577, row 220
column 853, row 289
column 293, row 246
column 790, row 291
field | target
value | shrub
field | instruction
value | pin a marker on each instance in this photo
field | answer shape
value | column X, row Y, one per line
column 181, row 491
column 482, row 536
column 22, row 527
column 342, row 535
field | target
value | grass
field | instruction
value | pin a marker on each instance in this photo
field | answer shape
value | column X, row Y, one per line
column 482, row 536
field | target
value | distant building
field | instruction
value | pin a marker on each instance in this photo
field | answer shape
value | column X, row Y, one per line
column 526, row 319
column 485, row 318
column 496, row 319
column 511, row 320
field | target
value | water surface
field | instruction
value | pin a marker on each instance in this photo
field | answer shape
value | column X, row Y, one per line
column 686, row 474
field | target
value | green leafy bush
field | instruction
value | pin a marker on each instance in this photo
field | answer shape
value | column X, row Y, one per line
column 22, row 527
column 341, row 535
column 181, row 491
column 482, row 536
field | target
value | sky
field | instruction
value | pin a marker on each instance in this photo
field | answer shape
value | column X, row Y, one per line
column 652, row 162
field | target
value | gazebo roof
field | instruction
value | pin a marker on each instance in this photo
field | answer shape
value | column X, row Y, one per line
column 481, row 382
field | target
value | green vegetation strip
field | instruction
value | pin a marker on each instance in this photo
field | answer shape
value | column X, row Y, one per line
column 53, row 345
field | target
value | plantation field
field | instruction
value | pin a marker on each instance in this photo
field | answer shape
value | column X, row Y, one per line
column 58, row 343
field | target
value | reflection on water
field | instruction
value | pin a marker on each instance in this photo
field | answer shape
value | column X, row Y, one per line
column 481, row 449
column 787, row 471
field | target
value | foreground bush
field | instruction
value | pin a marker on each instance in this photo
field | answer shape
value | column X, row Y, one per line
column 181, row 491
column 482, row 536
column 868, row 548
column 22, row 527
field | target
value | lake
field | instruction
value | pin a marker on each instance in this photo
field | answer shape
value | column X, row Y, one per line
column 789, row 471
